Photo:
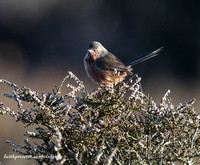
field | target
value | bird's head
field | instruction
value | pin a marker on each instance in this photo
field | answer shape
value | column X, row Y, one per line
column 97, row 48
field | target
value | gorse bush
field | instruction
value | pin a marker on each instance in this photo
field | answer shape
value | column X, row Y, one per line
column 114, row 125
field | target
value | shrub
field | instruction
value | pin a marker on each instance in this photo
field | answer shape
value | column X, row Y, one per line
column 113, row 125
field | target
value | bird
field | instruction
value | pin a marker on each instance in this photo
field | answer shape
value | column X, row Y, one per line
column 101, row 65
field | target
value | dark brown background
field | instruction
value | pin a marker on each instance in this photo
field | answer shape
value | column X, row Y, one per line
column 41, row 40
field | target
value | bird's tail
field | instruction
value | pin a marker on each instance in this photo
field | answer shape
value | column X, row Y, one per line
column 144, row 57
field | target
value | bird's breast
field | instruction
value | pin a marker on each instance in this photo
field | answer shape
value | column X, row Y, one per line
column 90, row 67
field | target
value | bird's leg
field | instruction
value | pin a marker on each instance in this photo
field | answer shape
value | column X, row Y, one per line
column 96, row 91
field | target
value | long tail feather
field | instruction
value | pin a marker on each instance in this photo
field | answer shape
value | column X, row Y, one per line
column 144, row 57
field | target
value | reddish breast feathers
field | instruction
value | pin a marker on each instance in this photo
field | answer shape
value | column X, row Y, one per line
column 91, row 69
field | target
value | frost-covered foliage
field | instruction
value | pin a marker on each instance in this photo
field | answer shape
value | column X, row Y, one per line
column 113, row 125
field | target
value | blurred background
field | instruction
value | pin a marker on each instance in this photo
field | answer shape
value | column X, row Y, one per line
column 41, row 40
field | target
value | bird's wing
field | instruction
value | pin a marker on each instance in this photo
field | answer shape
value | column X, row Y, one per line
column 110, row 62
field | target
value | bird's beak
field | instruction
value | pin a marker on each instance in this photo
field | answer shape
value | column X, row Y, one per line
column 91, row 54
column 90, row 51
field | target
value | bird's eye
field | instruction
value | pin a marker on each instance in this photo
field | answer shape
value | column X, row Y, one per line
column 96, row 50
